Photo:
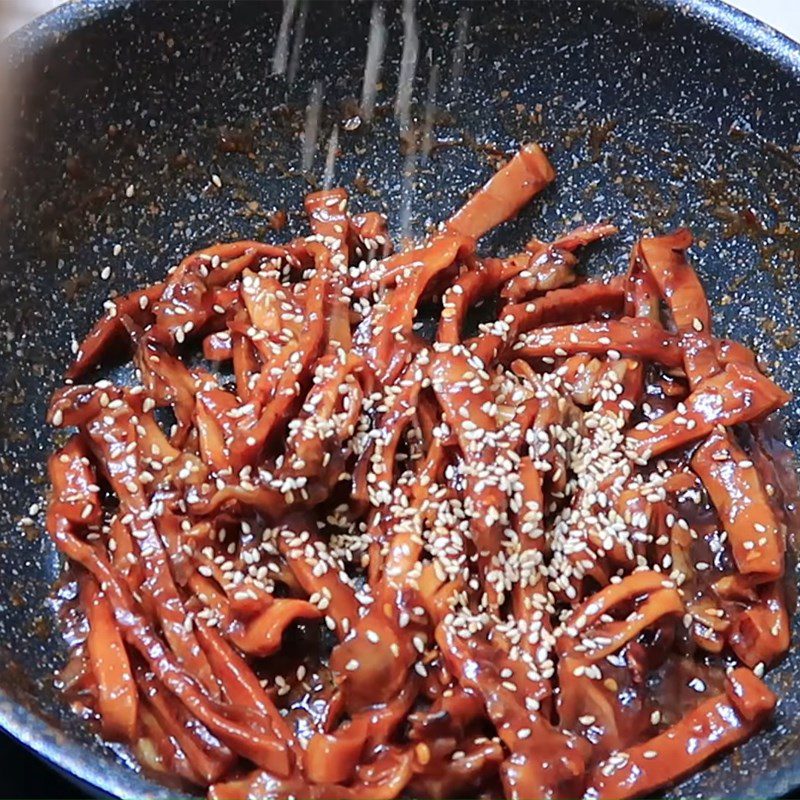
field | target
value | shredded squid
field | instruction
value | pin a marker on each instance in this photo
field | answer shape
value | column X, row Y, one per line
column 320, row 555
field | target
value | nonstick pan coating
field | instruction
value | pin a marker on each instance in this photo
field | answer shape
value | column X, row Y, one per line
column 655, row 114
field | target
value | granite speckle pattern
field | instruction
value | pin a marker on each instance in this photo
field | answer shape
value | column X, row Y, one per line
column 655, row 114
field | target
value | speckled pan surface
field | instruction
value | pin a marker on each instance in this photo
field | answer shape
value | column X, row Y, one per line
column 655, row 113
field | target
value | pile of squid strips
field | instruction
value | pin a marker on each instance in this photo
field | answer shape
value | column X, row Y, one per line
column 545, row 560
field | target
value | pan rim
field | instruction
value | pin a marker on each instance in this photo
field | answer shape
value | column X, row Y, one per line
column 68, row 756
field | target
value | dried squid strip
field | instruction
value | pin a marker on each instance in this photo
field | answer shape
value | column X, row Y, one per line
column 716, row 724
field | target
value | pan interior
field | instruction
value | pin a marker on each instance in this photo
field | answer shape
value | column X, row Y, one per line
column 125, row 113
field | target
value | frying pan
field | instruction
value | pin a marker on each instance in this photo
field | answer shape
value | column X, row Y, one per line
column 655, row 113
